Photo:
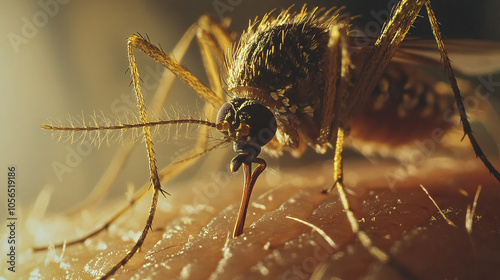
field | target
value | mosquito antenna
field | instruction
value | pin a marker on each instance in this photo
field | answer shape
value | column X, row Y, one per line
column 128, row 126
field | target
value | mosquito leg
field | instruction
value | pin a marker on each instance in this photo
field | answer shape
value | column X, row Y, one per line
column 208, row 95
column 210, row 49
column 137, row 196
column 365, row 240
column 338, row 49
column 389, row 40
column 215, row 41
column 182, row 73
column 337, row 42
column 393, row 33
column 182, row 162
column 458, row 98
column 155, row 106
column 342, row 98
column 121, row 156
column 188, row 158
column 212, row 38
column 332, row 62
column 153, row 170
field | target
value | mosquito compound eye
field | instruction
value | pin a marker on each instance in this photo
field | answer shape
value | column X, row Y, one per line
column 260, row 122
column 226, row 115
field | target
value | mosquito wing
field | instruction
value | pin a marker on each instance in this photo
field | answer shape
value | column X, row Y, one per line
column 469, row 57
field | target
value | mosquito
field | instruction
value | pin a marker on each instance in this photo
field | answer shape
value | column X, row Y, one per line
column 296, row 80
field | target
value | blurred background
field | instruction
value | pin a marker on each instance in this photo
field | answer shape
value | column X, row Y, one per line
column 60, row 58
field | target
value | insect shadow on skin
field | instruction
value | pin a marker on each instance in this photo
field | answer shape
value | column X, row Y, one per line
column 309, row 101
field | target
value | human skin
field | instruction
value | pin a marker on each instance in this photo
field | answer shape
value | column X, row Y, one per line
column 191, row 236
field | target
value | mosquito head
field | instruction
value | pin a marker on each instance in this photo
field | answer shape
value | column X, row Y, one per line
column 249, row 124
